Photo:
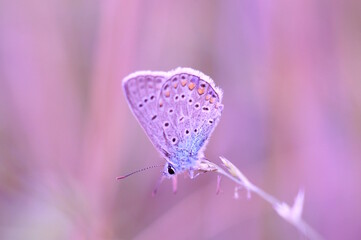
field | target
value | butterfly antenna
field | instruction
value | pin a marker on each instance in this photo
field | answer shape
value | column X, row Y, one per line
column 137, row 171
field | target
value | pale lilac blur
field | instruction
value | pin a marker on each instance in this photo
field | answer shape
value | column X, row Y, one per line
column 291, row 75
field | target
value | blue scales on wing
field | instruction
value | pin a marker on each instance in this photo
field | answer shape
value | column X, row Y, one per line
column 190, row 105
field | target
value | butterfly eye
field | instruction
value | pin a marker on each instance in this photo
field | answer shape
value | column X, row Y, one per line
column 171, row 170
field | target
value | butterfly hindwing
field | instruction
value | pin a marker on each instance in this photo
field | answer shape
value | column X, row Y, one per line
column 192, row 105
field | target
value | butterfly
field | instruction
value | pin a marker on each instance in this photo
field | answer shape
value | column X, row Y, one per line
column 178, row 111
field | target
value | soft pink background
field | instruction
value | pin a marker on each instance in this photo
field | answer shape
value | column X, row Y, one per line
column 291, row 75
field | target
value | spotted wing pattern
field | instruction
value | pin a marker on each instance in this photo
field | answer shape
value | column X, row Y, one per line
column 142, row 90
column 190, row 106
column 178, row 109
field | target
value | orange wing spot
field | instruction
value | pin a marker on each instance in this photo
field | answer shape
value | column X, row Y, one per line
column 160, row 103
column 212, row 100
column 208, row 96
column 184, row 82
column 191, row 86
column 167, row 93
column 175, row 85
column 200, row 91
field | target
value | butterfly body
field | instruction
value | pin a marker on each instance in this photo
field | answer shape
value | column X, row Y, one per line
column 178, row 110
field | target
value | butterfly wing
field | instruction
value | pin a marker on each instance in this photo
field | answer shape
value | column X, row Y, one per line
column 142, row 90
column 178, row 109
column 190, row 107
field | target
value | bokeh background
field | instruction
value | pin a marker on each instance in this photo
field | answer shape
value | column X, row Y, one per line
column 290, row 71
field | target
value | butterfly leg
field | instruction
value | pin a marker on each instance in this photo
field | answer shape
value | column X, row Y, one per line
column 157, row 185
column 192, row 175
column 174, row 183
column 218, row 189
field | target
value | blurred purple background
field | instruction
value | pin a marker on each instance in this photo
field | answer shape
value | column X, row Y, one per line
column 290, row 72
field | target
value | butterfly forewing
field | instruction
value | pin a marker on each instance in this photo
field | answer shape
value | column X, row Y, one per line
column 142, row 91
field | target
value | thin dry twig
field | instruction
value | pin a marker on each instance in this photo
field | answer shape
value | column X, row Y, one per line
column 291, row 214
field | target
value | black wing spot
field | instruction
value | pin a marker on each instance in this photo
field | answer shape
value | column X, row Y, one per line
column 152, row 97
column 140, row 105
column 166, row 124
column 174, row 140
column 145, row 100
column 210, row 121
column 205, row 108
column 170, row 111
column 195, row 130
column 154, row 117
column 183, row 96
column 196, row 105
column 187, row 132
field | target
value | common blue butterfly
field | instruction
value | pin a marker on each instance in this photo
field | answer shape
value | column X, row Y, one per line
column 178, row 111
